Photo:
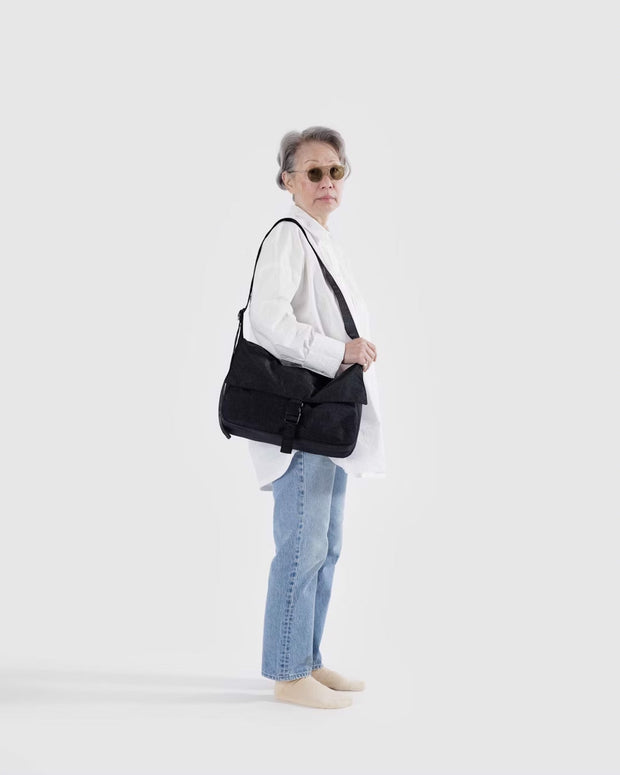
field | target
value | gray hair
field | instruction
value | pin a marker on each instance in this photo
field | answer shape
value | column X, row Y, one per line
column 292, row 140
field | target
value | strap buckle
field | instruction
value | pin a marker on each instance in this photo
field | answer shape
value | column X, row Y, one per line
column 292, row 415
column 293, row 412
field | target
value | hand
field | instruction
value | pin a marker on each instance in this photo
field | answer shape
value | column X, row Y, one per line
column 360, row 351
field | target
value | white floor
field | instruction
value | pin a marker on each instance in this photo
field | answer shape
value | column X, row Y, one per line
column 175, row 720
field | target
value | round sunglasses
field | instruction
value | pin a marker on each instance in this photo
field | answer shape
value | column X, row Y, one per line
column 315, row 174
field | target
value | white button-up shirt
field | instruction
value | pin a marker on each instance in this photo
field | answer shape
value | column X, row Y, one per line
column 293, row 313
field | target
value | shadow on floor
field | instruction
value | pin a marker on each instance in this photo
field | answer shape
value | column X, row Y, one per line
column 20, row 686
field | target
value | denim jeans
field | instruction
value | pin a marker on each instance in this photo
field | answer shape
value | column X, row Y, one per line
column 307, row 529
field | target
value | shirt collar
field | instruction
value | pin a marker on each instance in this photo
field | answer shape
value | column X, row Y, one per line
column 314, row 227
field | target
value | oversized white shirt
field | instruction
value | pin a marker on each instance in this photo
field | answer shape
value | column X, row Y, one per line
column 293, row 313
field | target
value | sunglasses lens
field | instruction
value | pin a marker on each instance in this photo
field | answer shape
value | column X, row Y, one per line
column 316, row 173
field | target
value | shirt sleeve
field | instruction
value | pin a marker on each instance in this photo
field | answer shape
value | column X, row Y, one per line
column 279, row 274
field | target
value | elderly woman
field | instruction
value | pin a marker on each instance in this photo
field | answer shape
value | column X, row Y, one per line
column 294, row 314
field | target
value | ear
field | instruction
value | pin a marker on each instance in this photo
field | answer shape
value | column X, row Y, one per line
column 287, row 180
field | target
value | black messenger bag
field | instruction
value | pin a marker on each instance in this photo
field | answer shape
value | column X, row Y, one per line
column 266, row 400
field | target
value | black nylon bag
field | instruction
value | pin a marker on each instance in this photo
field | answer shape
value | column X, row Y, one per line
column 267, row 400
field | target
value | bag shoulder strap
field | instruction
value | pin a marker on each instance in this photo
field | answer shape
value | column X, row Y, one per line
column 347, row 318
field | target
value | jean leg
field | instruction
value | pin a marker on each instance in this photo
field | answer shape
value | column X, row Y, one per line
column 301, row 517
column 326, row 573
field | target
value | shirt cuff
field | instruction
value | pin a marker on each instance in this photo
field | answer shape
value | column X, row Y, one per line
column 325, row 354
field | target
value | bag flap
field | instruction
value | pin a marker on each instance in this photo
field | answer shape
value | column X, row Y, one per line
column 346, row 387
column 255, row 368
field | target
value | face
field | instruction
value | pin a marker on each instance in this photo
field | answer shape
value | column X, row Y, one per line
column 317, row 199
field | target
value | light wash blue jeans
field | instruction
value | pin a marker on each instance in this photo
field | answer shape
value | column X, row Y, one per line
column 307, row 529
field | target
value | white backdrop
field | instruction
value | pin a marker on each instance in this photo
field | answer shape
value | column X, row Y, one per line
column 477, row 592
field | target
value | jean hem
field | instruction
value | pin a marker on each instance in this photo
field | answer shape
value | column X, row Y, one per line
column 291, row 677
column 285, row 677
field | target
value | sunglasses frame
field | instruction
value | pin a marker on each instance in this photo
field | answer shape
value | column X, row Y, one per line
column 329, row 167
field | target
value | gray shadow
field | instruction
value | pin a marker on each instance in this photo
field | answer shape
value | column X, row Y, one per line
column 21, row 686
